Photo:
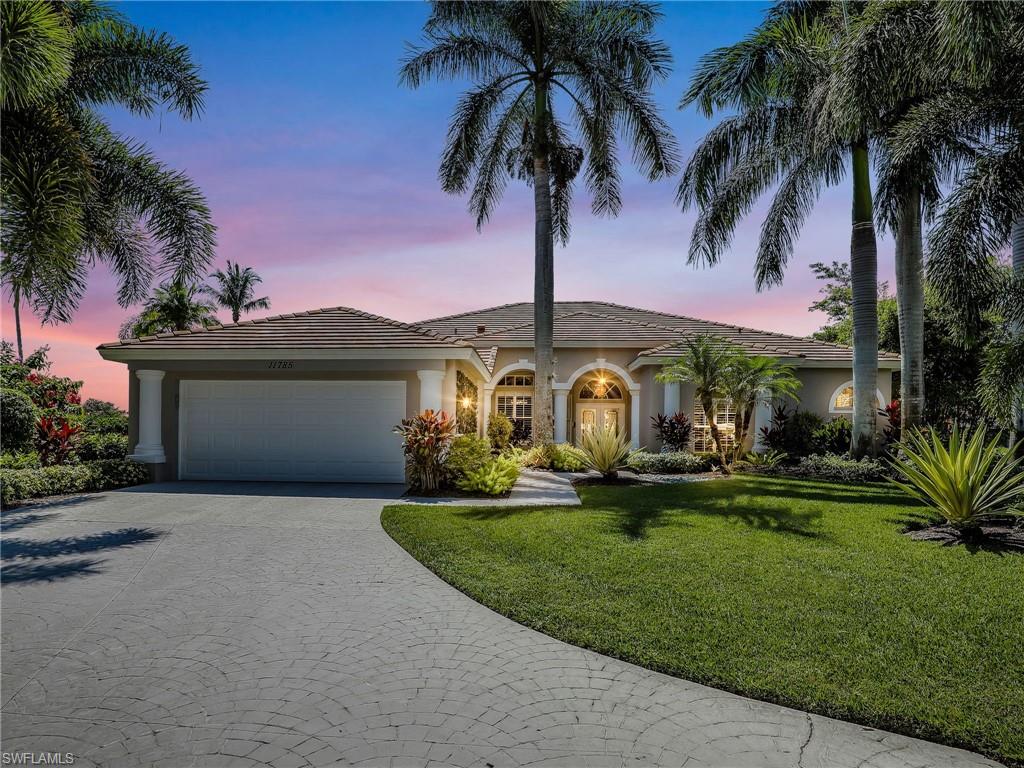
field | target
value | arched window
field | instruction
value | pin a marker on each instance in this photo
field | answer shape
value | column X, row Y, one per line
column 600, row 388
column 842, row 399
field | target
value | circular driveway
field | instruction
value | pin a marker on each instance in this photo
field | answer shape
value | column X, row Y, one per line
column 208, row 624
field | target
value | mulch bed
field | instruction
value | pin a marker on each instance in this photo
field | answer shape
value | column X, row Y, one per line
column 999, row 535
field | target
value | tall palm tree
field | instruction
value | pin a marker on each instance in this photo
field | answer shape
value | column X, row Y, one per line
column 705, row 363
column 750, row 381
column 174, row 306
column 776, row 81
column 236, row 287
column 73, row 192
column 528, row 62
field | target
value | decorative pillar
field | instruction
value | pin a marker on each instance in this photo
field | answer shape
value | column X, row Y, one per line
column 762, row 418
column 431, row 390
column 481, row 410
column 488, row 396
column 450, row 390
column 634, row 418
column 671, row 398
column 150, row 448
column 561, row 411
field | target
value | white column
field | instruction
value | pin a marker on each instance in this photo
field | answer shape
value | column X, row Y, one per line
column 431, row 390
column 634, row 418
column 671, row 398
column 481, row 410
column 150, row 448
column 486, row 411
column 561, row 411
column 450, row 390
column 762, row 418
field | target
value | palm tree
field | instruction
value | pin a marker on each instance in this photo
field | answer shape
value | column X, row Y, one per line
column 705, row 363
column 235, row 289
column 174, row 306
column 776, row 80
column 750, row 381
column 528, row 61
column 74, row 193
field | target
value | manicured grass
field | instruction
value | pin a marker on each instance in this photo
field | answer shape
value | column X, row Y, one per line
column 793, row 591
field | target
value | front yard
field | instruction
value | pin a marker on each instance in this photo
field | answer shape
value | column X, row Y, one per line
column 793, row 591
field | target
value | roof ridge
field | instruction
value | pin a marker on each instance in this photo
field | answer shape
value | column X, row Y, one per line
column 517, row 326
column 473, row 312
column 285, row 315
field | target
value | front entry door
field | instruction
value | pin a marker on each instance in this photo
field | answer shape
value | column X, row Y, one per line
column 590, row 416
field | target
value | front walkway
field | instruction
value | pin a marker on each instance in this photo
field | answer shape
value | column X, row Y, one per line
column 223, row 625
column 533, row 488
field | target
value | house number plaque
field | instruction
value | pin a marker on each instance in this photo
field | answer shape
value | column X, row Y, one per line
column 281, row 364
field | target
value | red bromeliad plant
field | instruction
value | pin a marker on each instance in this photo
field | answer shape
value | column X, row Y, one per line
column 426, row 440
column 54, row 440
column 893, row 428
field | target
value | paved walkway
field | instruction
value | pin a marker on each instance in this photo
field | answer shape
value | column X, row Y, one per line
column 533, row 488
column 259, row 624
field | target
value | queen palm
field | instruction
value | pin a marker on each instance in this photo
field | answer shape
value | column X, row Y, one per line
column 74, row 193
column 555, row 87
column 174, row 306
column 236, row 289
column 776, row 80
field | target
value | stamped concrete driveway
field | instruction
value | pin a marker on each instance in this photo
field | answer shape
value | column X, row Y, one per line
column 239, row 625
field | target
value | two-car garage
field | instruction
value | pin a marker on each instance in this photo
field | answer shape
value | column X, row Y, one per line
column 336, row 431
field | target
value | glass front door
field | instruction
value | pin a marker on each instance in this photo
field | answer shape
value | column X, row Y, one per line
column 592, row 416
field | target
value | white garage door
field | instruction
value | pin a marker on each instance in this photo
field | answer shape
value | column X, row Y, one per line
column 337, row 431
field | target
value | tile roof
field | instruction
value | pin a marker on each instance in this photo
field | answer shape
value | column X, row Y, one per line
column 329, row 328
column 660, row 333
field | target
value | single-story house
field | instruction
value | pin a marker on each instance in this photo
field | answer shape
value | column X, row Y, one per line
column 315, row 395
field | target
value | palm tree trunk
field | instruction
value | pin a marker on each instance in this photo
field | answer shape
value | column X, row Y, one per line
column 235, row 314
column 711, row 417
column 864, row 286
column 1017, row 260
column 17, row 323
column 910, row 301
column 543, row 278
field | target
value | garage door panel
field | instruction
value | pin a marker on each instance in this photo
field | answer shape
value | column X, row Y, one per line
column 299, row 430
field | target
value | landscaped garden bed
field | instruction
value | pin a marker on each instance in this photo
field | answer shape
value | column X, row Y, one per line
column 794, row 591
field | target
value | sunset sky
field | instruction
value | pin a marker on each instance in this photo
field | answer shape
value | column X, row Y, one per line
column 321, row 172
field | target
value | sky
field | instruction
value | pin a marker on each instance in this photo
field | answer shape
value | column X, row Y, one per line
column 321, row 172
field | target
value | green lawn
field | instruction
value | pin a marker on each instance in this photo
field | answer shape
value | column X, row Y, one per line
column 798, row 592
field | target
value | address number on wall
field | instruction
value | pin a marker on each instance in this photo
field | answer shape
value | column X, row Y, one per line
column 281, row 364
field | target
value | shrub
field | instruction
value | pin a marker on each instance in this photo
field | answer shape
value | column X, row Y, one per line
column 674, row 463
column 522, row 432
column 494, row 478
column 27, row 460
column 55, row 440
column 102, row 422
column 17, row 419
column 499, row 431
column 966, row 482
column 837, row 469
column 767, row 459
column 673, row 431
column 567, row 458
column 605, row 450
column 467, row 454
column 426, row 440
column 833, row 436
column 19, row 484
column 792, row 432
column 102, row 446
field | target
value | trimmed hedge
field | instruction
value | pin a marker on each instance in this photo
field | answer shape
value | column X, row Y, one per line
column 673, row 463
column 830, row 467
column 17, row 419
column 19, row 484
column 102, row 446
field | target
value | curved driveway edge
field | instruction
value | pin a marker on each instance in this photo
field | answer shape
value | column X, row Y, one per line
column 210, row 624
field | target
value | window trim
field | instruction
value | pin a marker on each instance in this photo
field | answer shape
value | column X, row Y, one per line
column 847, row 411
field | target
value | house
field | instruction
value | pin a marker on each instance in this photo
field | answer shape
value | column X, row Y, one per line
column 315, row 395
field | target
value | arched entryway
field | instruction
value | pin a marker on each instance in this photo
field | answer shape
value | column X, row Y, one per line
column 599, row 402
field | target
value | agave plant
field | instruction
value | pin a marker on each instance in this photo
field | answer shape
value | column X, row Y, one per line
column 605, row 450
column 770, row 458
column 966, row 482
column 426, row 441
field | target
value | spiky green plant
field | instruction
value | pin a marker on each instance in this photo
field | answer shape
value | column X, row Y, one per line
column 771, row 458
column 605, row 450
column 966, row 482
